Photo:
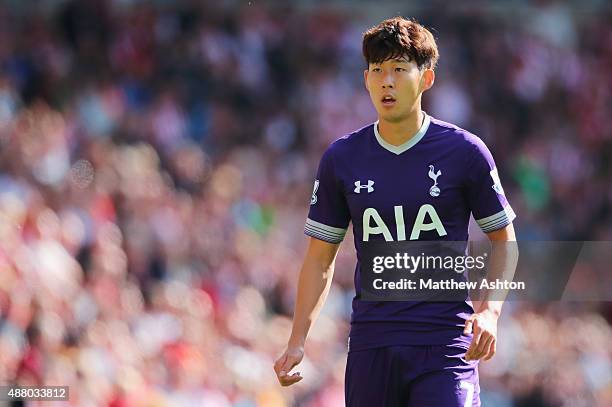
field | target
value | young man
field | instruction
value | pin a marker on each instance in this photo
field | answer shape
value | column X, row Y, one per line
column 402, row 353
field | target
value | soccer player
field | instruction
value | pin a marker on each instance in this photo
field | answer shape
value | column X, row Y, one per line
column 402, row 353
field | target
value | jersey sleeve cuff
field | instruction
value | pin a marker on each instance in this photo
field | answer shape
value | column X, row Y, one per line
column 497, row 221
column 324, row 232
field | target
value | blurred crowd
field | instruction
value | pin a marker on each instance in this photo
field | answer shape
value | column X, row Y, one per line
column 156, row 164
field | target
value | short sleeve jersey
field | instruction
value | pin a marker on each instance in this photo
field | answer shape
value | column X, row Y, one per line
column 437, row 178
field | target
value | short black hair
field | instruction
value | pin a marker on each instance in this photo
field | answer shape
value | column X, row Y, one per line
column 398, row 37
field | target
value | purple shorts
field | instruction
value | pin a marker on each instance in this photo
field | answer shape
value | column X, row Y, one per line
column 412, row 376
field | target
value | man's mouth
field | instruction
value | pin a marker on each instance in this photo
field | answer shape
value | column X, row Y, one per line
column 388, row 100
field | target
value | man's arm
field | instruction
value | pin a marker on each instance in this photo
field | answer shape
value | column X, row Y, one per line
column 483, row 323
column 313, row 286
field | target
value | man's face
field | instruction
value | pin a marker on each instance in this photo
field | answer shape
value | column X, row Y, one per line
column 395, row 87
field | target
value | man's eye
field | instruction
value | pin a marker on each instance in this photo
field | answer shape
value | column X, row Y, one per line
column 376, row 70
column 399, row 69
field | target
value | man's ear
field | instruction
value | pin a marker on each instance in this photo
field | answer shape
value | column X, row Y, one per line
column 365, row 78
column 427, row 79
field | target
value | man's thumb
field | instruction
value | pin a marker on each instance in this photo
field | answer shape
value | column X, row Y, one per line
column 287, row 365
column 468, row 327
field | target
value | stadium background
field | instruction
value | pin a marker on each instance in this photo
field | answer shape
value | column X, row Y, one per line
column 157, row 161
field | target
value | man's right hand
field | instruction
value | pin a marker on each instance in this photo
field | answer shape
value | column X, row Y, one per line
column 292, row 356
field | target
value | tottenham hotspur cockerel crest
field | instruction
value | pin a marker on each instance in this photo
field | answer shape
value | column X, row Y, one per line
column 434, row 190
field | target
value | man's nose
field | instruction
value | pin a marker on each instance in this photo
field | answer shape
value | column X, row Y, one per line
column 387, row 81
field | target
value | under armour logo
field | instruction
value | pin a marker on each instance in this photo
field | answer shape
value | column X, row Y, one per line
column 434, row 190
column 359, row 187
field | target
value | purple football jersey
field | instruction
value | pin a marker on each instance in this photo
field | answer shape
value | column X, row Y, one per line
column 424, row 189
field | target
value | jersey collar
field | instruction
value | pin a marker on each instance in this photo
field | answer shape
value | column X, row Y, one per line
column 408, row 144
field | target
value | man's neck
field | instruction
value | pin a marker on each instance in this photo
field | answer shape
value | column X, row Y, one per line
column 398, row 133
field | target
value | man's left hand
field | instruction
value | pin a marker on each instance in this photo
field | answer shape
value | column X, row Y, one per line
column 484, row 342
